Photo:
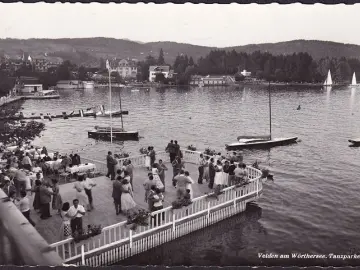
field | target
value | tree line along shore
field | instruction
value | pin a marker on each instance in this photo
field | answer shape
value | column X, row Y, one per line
column 296, row 68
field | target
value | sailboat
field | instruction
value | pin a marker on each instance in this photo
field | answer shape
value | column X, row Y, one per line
column 328, row 81
column 247, row 142
column 353, row 82
column 118, row 133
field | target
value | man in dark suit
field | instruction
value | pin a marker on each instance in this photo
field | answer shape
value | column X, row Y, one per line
column 8, row 188
column 211, row 173
column 110, row 162
column 116, row 194
column 45, row 199
column 170, row 148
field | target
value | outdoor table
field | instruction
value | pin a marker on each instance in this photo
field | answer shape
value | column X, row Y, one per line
column 81, row 168
column 50, row 164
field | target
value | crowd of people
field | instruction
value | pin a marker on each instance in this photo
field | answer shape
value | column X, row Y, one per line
column 24, row 168
column 25, row 175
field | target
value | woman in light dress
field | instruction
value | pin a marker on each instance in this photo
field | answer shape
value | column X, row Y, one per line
column 147, row 159
column 218, row 174
column 206, row 175
column 57, row 200
column 127, row 201
column 189, row 185
column 157, row 180
column 80, row 192
column 65, row 230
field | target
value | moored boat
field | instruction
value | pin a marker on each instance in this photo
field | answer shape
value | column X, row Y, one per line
column 246, row 142
column 44, row 94
column 260, row 143
column 117, row 133
column 355, row 142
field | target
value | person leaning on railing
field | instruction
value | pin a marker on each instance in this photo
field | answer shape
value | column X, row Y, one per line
column 241, row 175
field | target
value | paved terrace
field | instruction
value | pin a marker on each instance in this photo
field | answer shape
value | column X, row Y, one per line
column 104, row 212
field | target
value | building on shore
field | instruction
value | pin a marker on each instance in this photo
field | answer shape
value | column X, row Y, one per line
column 210, row 80
column 70, row 84
column 127, row 68
column 154, row 70
column 245, row 73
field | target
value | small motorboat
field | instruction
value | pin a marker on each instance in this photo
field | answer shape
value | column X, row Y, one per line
column 113, row 113
column 355, row 142
column 262, row 142
column 117, row 134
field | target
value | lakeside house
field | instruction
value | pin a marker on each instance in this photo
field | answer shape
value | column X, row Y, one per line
column 127, row 68
column 154, row 70
column 245, row 73
column 212, row 80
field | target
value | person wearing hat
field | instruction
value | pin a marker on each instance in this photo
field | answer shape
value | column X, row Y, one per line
column 8, row 188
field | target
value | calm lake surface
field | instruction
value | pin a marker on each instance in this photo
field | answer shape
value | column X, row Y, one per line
column 311, row 207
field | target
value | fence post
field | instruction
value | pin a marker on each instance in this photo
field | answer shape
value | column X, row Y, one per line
column 130, row 238
column 257, row 187
column 82, row 255
column 208, row 212
column 173, row 221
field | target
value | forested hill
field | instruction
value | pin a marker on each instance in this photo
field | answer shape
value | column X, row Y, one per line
column 82, row 50
column 316, row 48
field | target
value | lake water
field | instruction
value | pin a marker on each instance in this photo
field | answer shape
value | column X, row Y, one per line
column 311, row 207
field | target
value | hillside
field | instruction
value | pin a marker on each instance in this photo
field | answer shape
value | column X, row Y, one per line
column 90, row 50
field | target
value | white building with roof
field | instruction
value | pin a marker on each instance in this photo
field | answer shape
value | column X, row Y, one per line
column 153, row 70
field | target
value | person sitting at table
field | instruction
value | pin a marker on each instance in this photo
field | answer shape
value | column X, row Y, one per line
column 80, row 192
column 8, row 187
column 76, row 160
column 47, row 158
column 44, row 151
column 26, row 162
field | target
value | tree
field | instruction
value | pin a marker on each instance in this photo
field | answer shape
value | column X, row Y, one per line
column 161, row 60
column 63, row 71
column 160, row 77
column 191, row 61
column 82, row 74
column 239, row 77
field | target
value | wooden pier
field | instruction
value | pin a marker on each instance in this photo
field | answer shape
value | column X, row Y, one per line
column 117, row 241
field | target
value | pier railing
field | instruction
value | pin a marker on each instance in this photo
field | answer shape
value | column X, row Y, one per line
column 119, row 237
column 21, row 244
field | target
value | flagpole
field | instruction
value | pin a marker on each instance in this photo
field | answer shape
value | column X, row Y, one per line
column 111, row 134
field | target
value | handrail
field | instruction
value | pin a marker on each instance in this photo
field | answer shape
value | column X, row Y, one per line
column 200, row 205
column 25, row 245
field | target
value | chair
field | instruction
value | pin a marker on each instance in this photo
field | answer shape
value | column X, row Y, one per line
column 91, row 173
column 65, row 175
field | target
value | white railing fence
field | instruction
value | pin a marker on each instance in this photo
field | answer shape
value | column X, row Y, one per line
column 118, row 235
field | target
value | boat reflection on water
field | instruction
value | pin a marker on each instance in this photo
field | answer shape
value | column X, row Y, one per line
column 219, row 244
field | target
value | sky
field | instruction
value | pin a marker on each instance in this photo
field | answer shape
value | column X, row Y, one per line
column 209, row 25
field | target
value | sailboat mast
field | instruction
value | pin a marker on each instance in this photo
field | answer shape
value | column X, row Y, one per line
column 270, row 110
column 122, row 124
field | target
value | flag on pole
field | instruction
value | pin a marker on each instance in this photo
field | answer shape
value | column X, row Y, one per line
column 81, row 113
column 108, row 65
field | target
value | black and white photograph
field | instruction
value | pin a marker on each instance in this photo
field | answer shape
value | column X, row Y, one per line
column 179, row 134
